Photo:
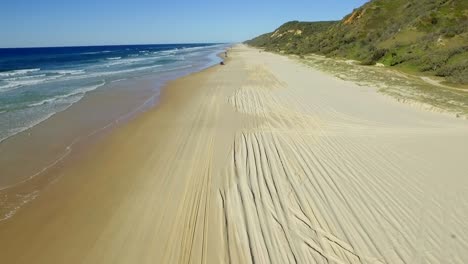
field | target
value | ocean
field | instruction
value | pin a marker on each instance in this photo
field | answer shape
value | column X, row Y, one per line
column 36, row 83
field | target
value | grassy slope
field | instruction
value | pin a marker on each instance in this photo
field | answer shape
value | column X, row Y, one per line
column 291, row 36
column 417, row 35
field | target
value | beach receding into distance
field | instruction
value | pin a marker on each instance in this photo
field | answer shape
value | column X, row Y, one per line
column 262, row 160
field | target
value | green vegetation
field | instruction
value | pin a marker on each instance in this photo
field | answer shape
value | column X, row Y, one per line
column 291, row 37
column 429, row 36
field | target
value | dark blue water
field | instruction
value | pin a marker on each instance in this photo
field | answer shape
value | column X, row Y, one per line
column 35, row 83
column 63, row 57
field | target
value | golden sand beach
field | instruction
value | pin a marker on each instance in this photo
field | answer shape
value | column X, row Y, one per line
column 263, row 160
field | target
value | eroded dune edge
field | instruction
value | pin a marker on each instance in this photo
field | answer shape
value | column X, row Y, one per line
column 262, row 160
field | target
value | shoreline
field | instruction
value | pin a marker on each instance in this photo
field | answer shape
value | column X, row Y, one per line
column 175, row 93
column 55, row 133
column 52, row 89
column 260, row 160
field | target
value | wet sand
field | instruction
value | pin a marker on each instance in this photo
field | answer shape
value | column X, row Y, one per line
column 263, row 160
column 26, row 153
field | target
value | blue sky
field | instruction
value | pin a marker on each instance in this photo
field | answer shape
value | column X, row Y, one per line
column 26, row 23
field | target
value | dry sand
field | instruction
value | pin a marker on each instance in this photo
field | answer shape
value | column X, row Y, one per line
column 260, row 161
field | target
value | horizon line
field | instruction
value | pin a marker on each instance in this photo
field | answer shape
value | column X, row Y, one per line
column 109, row 45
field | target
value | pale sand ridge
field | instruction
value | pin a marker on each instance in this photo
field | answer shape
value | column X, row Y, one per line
column 263, row 160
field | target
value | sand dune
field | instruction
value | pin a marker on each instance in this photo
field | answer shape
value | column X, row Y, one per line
column 263, row 160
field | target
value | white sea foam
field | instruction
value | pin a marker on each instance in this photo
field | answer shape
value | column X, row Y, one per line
column 195, row 48
column 192, row 48
column 80, row 91
column 97, row 52
column 24, row 77
column 17, row 84
column 118, row 80
column 70, row 72
column 130, row 61
column 86, row 89
column 108, row 73
column 28, row 80
column 127, row 71
column 25, row 198
column 67, row 99
column 46, row 101
column 172, row 51
column 114, row 58
column 17, row 72
column 123, row 62
column 145, row 59
column 22, row 80
column 14, row 131
column 104, row 73
column 165, row 52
